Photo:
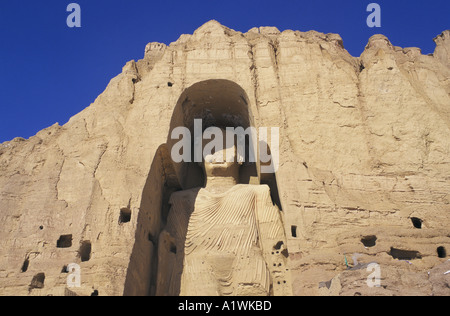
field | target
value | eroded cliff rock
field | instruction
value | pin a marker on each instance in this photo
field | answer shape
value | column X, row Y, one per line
column 364, row 165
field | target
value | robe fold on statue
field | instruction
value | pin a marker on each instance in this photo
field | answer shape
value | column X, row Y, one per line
column 220, row 244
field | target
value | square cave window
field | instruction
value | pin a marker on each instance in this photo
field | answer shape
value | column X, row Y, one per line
column 64, row 241
column 38, row 281
column 442, row 253
column 85, row 251
column 417, row 222
column 125, row 215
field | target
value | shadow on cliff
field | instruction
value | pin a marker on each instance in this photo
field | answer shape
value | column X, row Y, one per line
column 161, row 183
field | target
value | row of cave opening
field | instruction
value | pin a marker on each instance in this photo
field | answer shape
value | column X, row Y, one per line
column 84, row 252
column 370, row 241
column 417, row 223
column 65, row 241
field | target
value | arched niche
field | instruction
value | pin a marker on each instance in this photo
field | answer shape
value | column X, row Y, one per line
column 220, row 103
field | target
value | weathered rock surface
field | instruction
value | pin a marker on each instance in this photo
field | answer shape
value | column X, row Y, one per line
column 364, row 156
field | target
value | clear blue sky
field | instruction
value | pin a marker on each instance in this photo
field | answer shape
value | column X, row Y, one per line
column 49, row 72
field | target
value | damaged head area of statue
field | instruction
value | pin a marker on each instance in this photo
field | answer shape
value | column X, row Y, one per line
column 226, row 145
column 220, row 159
column 212, row 132
column 216, row 118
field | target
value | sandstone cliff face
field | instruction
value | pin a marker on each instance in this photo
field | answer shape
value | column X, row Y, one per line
column 364, row 162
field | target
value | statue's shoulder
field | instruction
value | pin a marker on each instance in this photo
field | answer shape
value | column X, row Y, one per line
column 184, row 196
column 255, row 188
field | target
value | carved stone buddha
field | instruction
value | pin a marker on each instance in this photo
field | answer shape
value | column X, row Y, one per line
column 225, row 239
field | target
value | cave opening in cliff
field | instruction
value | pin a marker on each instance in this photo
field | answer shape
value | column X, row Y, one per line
column 369, row 241
column 25, row 265
column 294, row 231
column 38, row 281
column 85, row 251
column 417, row 222
column 442, row 252
column 173, row 248
column 64, row 241
column 278, row 245
column 125, row 215
column 404, row 254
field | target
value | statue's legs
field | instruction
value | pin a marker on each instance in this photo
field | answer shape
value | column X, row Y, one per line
column 252, row 277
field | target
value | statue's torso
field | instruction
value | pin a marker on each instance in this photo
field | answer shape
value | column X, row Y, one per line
column 218, row 241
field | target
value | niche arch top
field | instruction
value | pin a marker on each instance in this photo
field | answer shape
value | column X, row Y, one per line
column 218, row 102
